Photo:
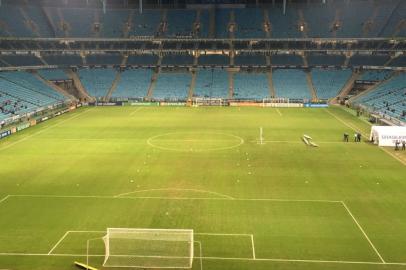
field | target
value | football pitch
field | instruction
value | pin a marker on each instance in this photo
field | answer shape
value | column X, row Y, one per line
column 270, row 203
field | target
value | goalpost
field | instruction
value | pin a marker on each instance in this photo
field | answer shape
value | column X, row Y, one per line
column 148, row 248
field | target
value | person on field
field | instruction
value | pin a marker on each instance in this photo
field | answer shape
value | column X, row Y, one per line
column 403, row 145
column 346, row 137
column 359, row 137
column 397, row 145
column 355, row 137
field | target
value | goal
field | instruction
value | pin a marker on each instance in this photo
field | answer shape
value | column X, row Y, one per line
column 200, row 101
column 148, row 248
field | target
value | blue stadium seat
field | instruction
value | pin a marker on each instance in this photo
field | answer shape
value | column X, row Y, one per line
column 291, row 83
column 134, row 83
column 211, row 83
column 251, row 85
column 172, row 86
column 97, row 81
column 328, row 82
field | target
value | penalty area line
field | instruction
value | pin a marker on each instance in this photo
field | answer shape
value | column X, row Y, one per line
column 224, row 258
column 4, row 199
column 363, row 232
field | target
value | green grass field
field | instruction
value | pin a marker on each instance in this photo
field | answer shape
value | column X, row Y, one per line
column 277, row 205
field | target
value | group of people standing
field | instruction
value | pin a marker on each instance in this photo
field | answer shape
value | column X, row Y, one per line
column 357, row 137
column 398, row 143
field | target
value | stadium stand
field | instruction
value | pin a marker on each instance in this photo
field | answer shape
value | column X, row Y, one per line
column 315, row 59
column 29, row 81
column 213, row 60
column 291, row 83
column 21, row 60
column 399, row 61
column 368, row 60
column 286, row 60
column 53, row 74
column 249, row 23
column 97, row 81
column 12, row 22
column 79, row 21
column 21, row 92
column 133, row 83
column 172, row 86
column 211, row 83
column 113, row 24
column 180, row 23
column 145, row 23
column 177, row 60
column 204, row 24
column 63, row 60
column 329, row 82
column 143, row 60
column 388, row 98
column 375, row 75
column 222, row 18
column 251, row 85
column 249, row 60
column 284, row 26
column 104, row 59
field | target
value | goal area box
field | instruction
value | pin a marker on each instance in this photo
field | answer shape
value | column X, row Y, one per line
column 148, row 248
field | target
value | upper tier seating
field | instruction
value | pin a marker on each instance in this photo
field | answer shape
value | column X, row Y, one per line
column 104, row 59
column 291, row 83
column 222, row 22
column 251, row 85
column 249, row 60
column 284, row 26
column 145, row 23
column 177, row 60
column 172, row 86
column 63, row 59
column 134, row 83
column 22, row 60
column 97, row 81
column 315, row 59
column 213, row 60
column 328, row 83
column 399, row 61
column 286, row 60
column 368, row 60
column 211, row 83
column 53, row 74
column 357, row 18
column 143, row 60
column 180, row 23
column 249, row 23
column 375, row 75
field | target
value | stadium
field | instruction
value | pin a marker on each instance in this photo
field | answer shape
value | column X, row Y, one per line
column 203, row 134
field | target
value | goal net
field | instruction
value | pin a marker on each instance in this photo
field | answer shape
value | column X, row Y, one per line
column 199, row 101
column 148, row 248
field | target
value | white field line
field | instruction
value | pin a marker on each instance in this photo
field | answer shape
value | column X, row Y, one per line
column 253, row 247
column 43, row 130
column 201, row 254
column 365, row 135
column 300, row 142
column 363, row 232
column 345, row 123
column 135, row 111
column 222, row 258
column 177, row 189
column 172, row 198
column 4, row 199
column 57, row 243
column 279, row 112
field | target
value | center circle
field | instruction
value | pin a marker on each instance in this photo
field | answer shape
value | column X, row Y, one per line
column 195, row 141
